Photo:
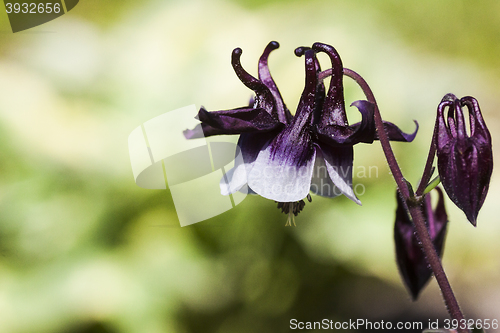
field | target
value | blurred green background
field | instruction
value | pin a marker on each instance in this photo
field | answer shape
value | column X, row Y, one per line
column 83, row 249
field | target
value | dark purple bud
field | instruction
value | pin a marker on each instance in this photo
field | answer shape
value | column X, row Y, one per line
column 465, row 160
column 411, row 260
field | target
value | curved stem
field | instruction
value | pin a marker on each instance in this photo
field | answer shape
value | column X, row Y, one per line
column 384, row 139
column 435, row 263
column 426, row 176
column 413, row 205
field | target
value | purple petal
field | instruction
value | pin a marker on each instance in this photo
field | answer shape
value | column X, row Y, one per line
column 411, row 260
column 237, row 121
column 458, row 168
column 481, row 138
column 195, row 133
column 364, row 131
column 409, row 256
column 283, row 170
column 478, row 126
column 266, row 78
column 305, row 109
column 444, row 133
column 264, row 97
column 320, row 87
column 334, row 107
column 395, row 134
column 338, row 161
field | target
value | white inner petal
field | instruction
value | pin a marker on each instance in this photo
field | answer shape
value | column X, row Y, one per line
column 278, row 180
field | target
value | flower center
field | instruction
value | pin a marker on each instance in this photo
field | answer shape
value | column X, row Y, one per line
column 292, row 209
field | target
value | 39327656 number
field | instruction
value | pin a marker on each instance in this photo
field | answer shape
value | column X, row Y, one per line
column 33, row 8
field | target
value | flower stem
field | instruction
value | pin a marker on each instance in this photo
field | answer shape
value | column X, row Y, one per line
column 413, row 205
column 436, row 266
column 426, row 176
column 384, row 139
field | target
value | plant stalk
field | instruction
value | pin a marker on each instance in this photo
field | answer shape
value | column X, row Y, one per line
column 413, row 205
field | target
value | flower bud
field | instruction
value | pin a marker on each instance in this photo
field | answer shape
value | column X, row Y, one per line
column 465, row 160
column 410, row 258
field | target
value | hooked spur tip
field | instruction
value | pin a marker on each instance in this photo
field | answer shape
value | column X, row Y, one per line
column 273, row 45
column 449, row 98
column 237, row 51
column 235, row 57
column 324, row 48
column 301, row 50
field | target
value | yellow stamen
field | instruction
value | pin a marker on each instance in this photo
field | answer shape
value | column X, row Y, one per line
column 290, row 220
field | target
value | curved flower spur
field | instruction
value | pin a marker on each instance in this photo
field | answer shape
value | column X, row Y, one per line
column 285, row 157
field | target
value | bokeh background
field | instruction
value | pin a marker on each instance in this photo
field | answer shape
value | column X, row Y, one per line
column 83, row 249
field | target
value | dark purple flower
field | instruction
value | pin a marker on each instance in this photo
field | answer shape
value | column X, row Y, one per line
column 296, row 160
column 465, row 161
column 412, row 264
column 285, row 157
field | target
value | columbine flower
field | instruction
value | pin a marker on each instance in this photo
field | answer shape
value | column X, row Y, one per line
column 284, row 169
column 464, row 162
column 412, row 264
column 285, row 157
